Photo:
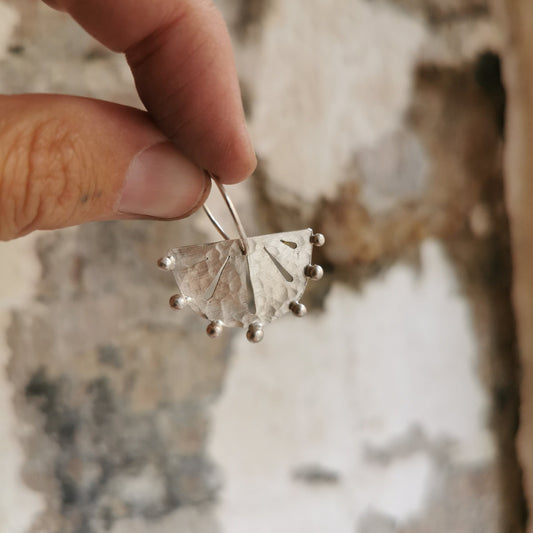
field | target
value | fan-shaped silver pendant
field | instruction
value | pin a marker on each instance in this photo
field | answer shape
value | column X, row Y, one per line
column 245, row 282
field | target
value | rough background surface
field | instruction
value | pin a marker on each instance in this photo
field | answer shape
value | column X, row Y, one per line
column 393, row 406
column 517, row 19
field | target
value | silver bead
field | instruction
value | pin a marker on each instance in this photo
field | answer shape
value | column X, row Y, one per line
column 167, row 263
column 317, row 239
column 178, row 302
column 297, row 309
column 255, row 332
column 214, row 329
column 314, row 272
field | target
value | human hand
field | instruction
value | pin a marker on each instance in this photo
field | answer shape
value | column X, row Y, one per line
column 67, row 160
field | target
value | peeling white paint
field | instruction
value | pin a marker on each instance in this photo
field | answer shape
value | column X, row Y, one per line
column 461, row 41
column 184, row 520
column 394, row 170
column 19, row 274
column 344, row 82
column 399, row 355
column 9, row 18
column 140, row 490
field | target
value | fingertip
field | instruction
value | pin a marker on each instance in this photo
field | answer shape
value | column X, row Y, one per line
column 236, row 161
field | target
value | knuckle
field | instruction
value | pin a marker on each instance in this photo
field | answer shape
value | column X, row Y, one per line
column 60, row 5
column 52, row 3
column 39, row 186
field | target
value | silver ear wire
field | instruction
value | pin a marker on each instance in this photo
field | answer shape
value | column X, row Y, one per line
column 233, row 212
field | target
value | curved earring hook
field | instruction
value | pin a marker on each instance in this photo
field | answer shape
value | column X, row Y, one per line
column 233, row 212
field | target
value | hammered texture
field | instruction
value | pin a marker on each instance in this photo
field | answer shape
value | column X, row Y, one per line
column 224, row 284
column 196, row 273
column 273, row 293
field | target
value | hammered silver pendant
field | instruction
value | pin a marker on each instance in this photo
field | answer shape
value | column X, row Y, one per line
column 246, row 282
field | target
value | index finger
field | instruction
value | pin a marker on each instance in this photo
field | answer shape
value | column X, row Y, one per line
column 182, row 61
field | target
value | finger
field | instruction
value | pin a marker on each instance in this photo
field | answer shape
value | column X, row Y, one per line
column 66, row 160
column 181, row 57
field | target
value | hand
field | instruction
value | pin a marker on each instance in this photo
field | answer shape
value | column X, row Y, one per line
column 67, row 160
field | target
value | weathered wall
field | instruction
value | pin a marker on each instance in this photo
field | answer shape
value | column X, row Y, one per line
column 391, row 407
column 517, row 23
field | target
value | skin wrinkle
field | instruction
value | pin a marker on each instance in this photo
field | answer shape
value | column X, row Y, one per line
column 227, row 144
column 175, row 114
column 168, row 95
column 169, row 100
column 163, row 15
column 143, row 50
column 59, row 187
column 51, row 187
column 25, row 206
column 7, row 205
column 177, row 15
column 44, row 169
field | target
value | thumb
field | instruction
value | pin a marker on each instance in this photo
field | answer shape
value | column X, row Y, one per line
column 67, row 160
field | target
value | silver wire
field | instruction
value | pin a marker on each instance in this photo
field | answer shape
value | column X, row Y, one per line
column 233, row 212
column 215, row 223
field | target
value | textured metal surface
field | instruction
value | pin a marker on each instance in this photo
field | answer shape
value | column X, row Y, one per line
column 222, row 284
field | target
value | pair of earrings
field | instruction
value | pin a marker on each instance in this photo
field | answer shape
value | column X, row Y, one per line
column 245, row 282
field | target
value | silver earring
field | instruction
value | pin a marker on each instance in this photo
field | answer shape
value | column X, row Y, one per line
column 245, row 282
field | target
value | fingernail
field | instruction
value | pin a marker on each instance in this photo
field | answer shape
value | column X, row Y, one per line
column 161, row 183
